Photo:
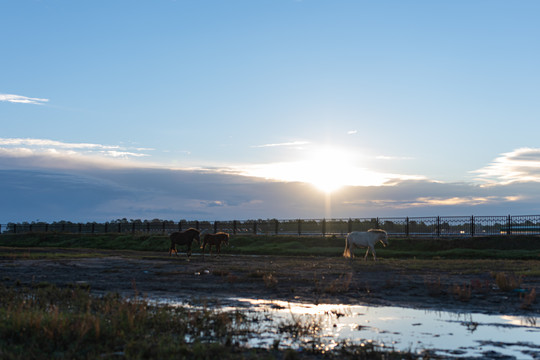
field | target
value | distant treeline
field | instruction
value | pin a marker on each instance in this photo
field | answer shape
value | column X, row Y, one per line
column 434, row 226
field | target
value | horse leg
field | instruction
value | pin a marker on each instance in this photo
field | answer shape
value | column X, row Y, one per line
column 373, row 253
column 218, row 247
column 347, row 251
column 367, row 252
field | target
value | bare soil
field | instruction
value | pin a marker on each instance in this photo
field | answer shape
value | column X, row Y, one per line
column 158, row 276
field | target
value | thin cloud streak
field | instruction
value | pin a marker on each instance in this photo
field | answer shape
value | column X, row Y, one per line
column 292, row 143
column 22, row 99
column 385, row 157
column 46, row 148
column 51, row 154
column 53, row 143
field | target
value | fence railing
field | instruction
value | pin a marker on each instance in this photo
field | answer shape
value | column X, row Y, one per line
column 435, row 226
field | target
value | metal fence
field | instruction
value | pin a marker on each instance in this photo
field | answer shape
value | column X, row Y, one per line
column 434, row 226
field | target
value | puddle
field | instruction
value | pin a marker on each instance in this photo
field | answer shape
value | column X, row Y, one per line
column 447, row 334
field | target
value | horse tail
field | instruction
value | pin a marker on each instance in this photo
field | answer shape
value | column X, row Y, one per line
column 347, row 252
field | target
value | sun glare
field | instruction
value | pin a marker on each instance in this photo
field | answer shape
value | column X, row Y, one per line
column 327, row 169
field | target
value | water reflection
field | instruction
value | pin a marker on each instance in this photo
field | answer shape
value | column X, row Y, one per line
column 447, row 334
column 478, row 335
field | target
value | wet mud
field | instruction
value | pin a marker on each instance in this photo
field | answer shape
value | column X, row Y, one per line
column 316, row 280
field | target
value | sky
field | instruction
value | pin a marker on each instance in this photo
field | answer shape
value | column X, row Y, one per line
column 260, row 109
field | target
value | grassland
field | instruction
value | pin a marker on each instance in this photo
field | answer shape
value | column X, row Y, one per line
column 494, row 247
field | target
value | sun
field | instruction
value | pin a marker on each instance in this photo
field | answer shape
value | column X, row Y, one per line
column 326, row 168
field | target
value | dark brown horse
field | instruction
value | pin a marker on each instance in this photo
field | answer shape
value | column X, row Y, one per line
column 184, row 238
column 215, row 240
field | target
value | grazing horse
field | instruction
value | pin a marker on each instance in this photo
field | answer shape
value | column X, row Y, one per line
column 215, row 240
column 364, row 239
column 184, row 238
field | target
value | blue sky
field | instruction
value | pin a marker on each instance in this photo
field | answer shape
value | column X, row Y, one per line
column 237, row 109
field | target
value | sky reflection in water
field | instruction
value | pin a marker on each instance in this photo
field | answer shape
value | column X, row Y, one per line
column 401, row 328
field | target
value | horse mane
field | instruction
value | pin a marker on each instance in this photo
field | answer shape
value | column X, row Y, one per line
column 377, row 231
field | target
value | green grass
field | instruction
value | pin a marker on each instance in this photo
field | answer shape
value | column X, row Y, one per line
column 109, row 241
column 494, row 247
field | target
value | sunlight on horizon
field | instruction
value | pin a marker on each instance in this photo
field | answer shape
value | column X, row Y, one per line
column 328, row 169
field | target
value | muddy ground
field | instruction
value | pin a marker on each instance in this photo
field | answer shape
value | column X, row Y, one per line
column 300, row 279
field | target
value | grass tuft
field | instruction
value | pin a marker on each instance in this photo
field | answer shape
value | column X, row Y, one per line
column 507, row 282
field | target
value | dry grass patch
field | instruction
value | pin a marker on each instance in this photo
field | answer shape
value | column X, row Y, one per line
column 528, row 299
column 507, row 282
column 339, row 285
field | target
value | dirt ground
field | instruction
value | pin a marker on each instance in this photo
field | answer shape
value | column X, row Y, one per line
column 299, row 279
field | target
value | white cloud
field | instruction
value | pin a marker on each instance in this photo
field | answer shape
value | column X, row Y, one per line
column 385, row 157
column 332, row 175
column 520, row 165
column 292, row 143
column 22, row 99
column 352, row 132
column 46, row 153
column 52, row 144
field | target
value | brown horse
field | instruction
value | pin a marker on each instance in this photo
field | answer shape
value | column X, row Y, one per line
column 215, row 240
column 184, row 238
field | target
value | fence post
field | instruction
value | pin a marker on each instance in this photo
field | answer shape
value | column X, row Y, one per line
column 323, row 227
column 255, row 227
column 299, row 227
column 407, row 227
column 197, row 225
column 215, row 226
column 93, row 228
column 234, row 226
column 509, row 228
column 472, row 225
column 438, row 226
column 14, row 228
column 349, row 226
column 276, row 224
column 179, row 225
column 80, row 228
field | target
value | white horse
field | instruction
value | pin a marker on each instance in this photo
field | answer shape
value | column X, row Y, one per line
column 364, row 239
